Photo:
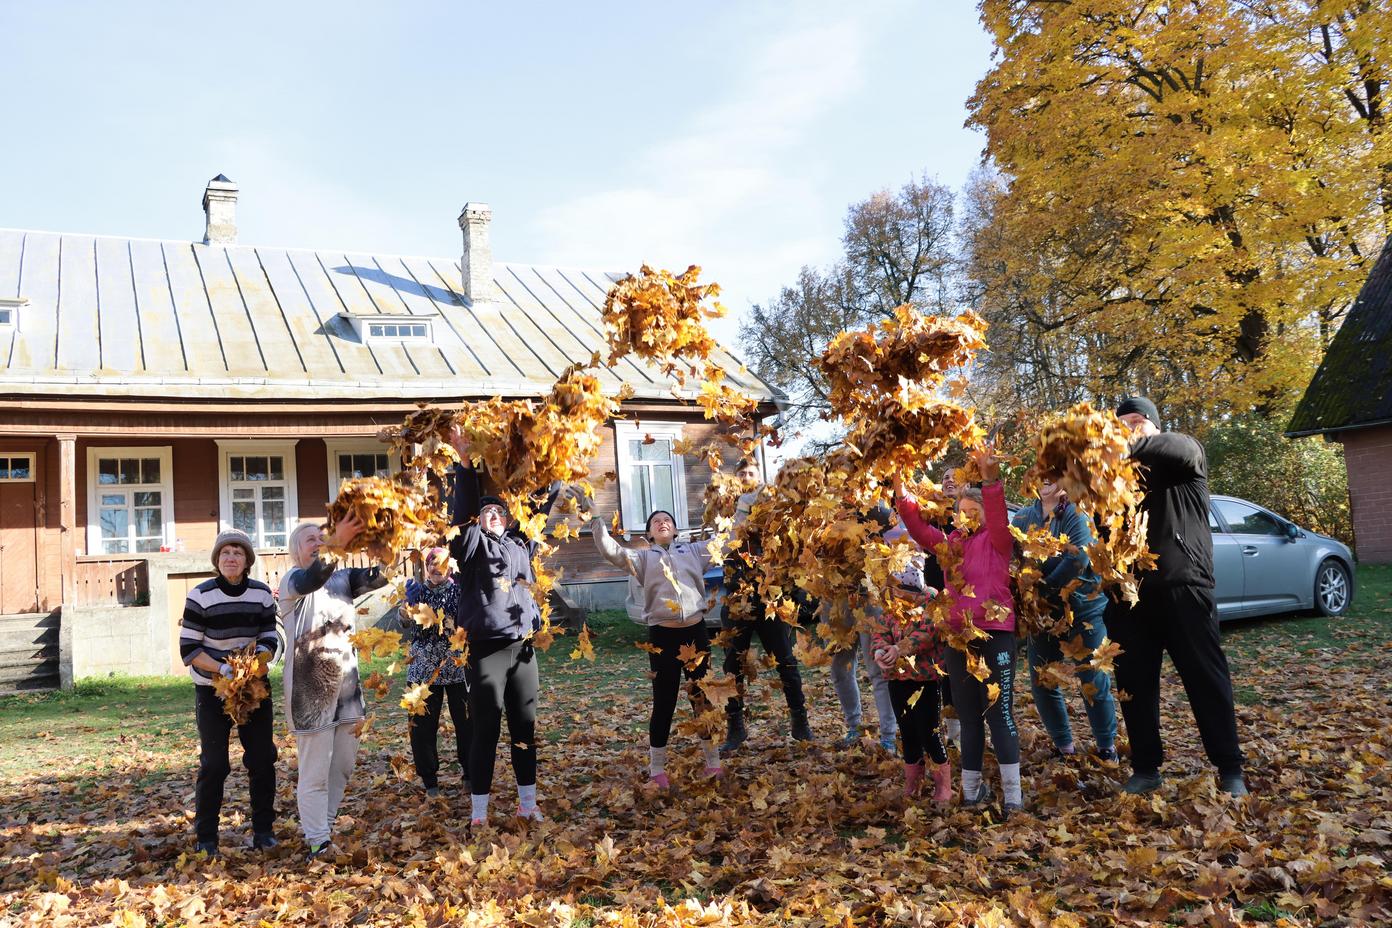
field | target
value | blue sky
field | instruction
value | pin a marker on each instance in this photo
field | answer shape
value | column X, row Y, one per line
column 733, row 135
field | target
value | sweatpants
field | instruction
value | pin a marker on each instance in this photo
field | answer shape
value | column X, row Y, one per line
column 326, row 761
column 1052, row 704
column 918, row 723
column 1182, row 620
column 843, row 680
column 258, row 756
column 970, row 698
column 667, row 676
column 502, row 679
column 777, row 638
column 425, row 731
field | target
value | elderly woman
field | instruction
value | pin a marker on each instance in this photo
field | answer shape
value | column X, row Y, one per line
column 433, row 662
column 323, row 695
column 223, row 615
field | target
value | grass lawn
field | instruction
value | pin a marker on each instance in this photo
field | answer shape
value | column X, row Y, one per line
column 96, row 820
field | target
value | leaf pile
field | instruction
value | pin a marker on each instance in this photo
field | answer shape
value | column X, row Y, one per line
column 246, row 688
column 792, row 837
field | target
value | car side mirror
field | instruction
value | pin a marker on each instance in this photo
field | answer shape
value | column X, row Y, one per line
column 1293, row 531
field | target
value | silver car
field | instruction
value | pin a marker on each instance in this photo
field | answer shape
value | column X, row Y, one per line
column 1264, row 564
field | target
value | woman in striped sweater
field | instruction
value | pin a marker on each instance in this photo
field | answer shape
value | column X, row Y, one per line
column 223, row 615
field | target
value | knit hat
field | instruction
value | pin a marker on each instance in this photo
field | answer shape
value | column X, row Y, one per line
column 491, row 501
column 1141, row 405
column 234, row 537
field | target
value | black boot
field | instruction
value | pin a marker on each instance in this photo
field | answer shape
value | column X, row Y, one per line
column 801, row 730
column 735, row 732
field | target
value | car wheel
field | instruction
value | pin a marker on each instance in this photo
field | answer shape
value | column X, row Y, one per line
column 1332, row 588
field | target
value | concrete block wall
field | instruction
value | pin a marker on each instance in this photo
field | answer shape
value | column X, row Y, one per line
column 1368, row 455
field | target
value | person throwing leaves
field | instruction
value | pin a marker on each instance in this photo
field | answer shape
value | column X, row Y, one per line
column 982, row 674
column 671, row 577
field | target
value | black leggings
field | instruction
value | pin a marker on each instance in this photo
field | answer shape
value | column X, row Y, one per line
column 502, row 677
column 969, row 697
column 667, row 674
column 918, row 723
column 258, row 756
column 425, row 731
column 777, row 638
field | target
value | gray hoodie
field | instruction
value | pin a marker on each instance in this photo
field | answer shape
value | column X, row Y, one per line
column 664, row 603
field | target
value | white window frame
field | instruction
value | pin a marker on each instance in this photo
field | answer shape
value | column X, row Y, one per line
column 365, row 324
column 337, row 446
column 628, row 430
column 285, row 448
column 14, row 455
column 165, row 455
column 9, row 311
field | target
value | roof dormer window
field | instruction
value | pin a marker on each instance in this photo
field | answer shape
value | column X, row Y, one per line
column 9, row 311
column 398, row 331
column 383, row 328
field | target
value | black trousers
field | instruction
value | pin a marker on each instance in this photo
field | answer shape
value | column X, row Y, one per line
column 1182, row 620
column 667, row 671
column 425, row 731
column 258, row 756
column 918, row 723
column 502, row 679
column 777, row 638
column 972, row 700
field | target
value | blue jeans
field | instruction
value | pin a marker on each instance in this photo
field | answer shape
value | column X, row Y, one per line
column 1053, row 707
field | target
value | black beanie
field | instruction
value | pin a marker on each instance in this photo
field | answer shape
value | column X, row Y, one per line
column 1141, row 405
column 491, row 501
column 647, row 526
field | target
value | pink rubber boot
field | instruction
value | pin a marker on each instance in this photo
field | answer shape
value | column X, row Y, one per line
column 913, row 779
column 942, row 784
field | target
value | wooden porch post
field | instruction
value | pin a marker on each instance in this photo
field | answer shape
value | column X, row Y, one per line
column 67, row 516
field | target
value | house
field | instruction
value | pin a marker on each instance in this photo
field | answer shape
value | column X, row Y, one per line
column 1350, row 401
column 155, row 392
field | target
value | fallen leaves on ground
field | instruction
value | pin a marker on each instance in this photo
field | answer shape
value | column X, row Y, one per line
column 791, row 836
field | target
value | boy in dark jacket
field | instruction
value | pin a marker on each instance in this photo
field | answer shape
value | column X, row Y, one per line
column 1176, row 611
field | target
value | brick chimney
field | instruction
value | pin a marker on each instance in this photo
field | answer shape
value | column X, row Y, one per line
column 220, row 210
column 476, row 264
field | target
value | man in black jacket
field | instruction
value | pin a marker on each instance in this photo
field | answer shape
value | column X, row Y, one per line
column 1176, row 611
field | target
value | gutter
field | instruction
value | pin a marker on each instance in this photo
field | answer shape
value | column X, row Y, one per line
column 1327, row 432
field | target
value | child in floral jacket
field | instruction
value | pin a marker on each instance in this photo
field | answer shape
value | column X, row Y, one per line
column 908, row 649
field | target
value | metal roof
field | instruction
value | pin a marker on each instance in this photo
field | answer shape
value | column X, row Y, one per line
column 126, row 317
column 1353, row 386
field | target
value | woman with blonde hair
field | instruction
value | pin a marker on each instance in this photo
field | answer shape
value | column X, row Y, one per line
column 323, row 696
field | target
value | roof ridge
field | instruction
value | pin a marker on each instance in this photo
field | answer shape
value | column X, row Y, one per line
column 347, row 253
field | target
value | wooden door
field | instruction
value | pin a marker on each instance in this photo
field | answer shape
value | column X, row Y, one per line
column 19, row 546
column 179, row 586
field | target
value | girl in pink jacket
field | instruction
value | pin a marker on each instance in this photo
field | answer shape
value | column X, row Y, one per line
column 983, row 544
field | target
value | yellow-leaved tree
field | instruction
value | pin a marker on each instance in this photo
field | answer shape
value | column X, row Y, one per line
column 1188, row 194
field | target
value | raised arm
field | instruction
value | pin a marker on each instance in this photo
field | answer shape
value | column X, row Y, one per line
column 926, row 534
column 997, row 518
column 1077, row 563
column 613, row 552
column 464, row 504
column 1170, row 458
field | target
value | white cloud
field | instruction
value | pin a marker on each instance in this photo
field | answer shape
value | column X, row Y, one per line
column 736, row 187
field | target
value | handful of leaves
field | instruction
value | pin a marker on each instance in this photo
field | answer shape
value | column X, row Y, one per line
column 1088, row 452
column 661, row 317
column 396, row 516
column 245, row 690
column 884, row 383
